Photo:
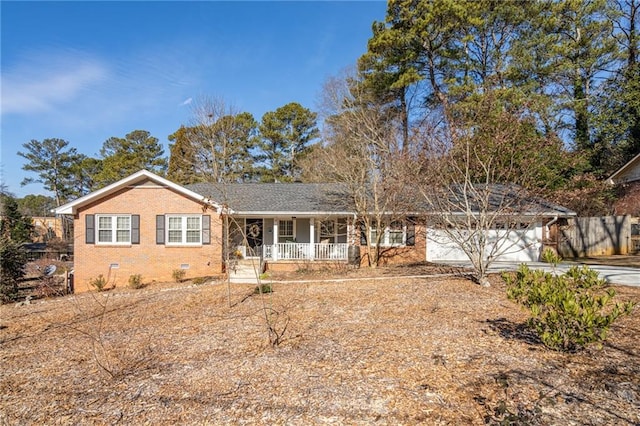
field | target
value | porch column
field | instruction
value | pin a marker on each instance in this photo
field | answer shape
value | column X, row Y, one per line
column 312, row 236
column 274, row 250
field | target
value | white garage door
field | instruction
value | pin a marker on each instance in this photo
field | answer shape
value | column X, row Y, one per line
column 516, row 246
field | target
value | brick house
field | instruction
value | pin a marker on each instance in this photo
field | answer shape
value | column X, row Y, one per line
column 627, row 178
column 145, row 224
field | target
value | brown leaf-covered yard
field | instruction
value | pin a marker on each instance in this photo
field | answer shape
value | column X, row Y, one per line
column 373, row 350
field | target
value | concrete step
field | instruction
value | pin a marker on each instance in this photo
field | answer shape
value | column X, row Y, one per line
column 245, row 271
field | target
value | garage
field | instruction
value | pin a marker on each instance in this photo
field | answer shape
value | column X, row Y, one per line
column 516, row 245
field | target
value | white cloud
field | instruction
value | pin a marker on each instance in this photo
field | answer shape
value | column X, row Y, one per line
column 43, row 81
column 186, row 102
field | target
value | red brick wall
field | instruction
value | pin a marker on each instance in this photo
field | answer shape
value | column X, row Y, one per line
column 629, row 200
column 152, row 261
column 399, row 255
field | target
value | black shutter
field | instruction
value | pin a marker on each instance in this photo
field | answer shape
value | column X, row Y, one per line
column 160, row 229
column 90, row 229
column 206, row 229
column 135, row 229
column 411, row 231
column 363, row 234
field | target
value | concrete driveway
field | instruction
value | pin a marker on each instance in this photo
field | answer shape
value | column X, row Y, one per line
column 613, row 274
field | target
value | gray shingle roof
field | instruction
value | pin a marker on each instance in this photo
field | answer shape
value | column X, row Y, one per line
column 246, row 198
column 325, row 198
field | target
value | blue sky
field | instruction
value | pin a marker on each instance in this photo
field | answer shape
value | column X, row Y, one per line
column 87, row 71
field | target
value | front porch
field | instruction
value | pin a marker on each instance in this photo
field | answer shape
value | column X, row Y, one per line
column 305, row 251
column 292, row 239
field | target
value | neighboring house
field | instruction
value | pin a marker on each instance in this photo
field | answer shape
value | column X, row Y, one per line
column 628, row 178
column 628, row 173
column 148, row 225
column 47, row 228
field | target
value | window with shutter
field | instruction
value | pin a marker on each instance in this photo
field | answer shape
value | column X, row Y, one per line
column 184, row 230
column 113, row 229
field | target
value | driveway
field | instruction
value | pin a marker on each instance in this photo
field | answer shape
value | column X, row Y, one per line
column 613, row 274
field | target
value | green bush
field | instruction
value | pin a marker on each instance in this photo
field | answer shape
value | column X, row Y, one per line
column 263, row 288
column 13, row 259
column 568, row 311
column 178, row 275
column 550, row 256
column 99, row 283
column 135, row 281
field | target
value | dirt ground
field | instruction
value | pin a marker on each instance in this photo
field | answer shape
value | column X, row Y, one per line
column 437, row 350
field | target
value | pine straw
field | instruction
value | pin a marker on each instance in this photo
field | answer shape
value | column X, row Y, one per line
column 392, row 351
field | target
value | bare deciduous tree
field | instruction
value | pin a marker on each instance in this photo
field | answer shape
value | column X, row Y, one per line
column 481, row 178
column 364, row 150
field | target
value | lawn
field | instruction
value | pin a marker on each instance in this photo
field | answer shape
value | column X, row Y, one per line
column 437, row 350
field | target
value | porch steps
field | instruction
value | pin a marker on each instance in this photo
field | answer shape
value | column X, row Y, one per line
column 245, row 272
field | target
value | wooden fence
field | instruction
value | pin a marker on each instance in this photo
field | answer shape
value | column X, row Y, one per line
column 596, row 236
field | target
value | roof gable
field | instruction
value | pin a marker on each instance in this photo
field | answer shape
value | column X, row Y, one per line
column 628, row 173
column 141, row 178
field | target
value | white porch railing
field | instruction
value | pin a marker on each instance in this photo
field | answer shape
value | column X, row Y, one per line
column 305, row 251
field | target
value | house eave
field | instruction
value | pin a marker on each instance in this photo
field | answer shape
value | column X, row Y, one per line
column 72, row 207
column 279, row 214
column 613, row 179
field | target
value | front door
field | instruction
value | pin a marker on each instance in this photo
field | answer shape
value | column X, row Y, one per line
column 253, row 231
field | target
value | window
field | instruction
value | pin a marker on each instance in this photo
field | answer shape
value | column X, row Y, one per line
column 114, row 229
column 395, row 234
column 392, row 235
column 285, row 230
column 327, row 231
column 184, row 230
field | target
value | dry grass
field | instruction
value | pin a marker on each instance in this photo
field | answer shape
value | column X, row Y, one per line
column 392, row 351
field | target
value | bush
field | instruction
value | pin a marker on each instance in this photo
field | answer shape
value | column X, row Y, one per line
column 263, row 288
column 550, row 256
column 568, row 311
column 99, row 283
column 178, row 275
column 135, row 281
column 200, row 280
column 13, row 259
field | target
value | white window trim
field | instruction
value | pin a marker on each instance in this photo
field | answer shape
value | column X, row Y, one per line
column 384, row 242
column 285, row 238
column 183, row 229
column 114, row 230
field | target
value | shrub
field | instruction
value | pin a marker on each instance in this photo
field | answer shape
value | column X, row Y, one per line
column 13, row 259
column 263, row 288
column 199, row 280
column 99, row 283
column 568, row 311
column 135, row 281
column 178, row 275
column 550, row 256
